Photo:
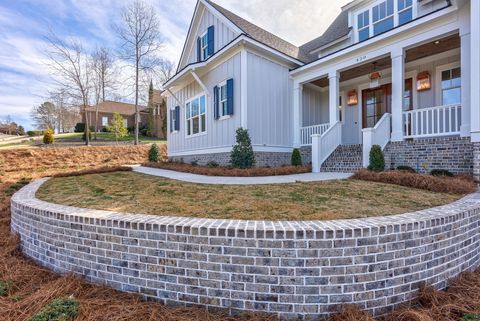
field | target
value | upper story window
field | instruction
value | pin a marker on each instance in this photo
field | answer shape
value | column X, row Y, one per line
column 382, row 17
column 196, row 116
column 205, row 44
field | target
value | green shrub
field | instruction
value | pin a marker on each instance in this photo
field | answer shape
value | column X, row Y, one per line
column 212, row 164
column 48, row 138
column 79, row 128
column 441, row 172
column 58, row 310
column 471, row 317
column 5, row 287
column 33, row 133
column 242, row 155
column 154, row 154
column 296, row 157
column 406, row 169
column 377, row 160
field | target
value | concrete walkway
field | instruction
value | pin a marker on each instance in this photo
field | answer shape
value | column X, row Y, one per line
column 224, row 180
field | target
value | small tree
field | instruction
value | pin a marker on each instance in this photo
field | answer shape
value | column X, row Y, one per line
column 116, row 127
column 48, row 138
column 242, row 155
column 377, row 160
column 296, row 157
column 154, row 154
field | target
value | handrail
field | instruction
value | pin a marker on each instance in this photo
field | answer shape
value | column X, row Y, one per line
column 432, row 121
column 378, row 135
column 324, row 145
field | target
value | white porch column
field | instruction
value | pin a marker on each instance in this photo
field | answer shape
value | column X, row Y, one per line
column 475, row 67
column 398, row 84
column 297, row 113
column 334, row 93
column 465, row 70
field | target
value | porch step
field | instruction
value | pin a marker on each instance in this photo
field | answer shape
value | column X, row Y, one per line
column 346, row 159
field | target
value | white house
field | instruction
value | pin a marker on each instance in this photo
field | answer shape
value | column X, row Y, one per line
column 402, row 74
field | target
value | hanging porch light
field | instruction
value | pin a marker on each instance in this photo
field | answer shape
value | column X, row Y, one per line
column 375, row 77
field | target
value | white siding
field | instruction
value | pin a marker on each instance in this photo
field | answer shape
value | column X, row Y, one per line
column 220, row 133
column 269, row 103
column 223, row 35
column 314, row 106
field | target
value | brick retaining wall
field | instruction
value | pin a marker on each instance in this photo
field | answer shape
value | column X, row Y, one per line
column 294, row 269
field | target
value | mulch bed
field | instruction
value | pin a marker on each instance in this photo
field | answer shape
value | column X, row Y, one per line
column 230, row 171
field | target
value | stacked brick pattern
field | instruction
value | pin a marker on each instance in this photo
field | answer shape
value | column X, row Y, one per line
column 293, row 269
column 452, row 153
column 262, row 159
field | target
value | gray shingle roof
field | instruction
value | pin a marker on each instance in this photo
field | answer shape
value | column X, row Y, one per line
column 262, row 35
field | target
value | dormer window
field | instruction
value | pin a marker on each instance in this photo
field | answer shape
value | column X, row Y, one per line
column 405, row 11
column 363, row 26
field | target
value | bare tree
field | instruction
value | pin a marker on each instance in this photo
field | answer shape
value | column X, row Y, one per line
column 141, row 42
column 71, row 67
column 66, row 112
column 166, row 70
column 44, row 116
column 103, row 65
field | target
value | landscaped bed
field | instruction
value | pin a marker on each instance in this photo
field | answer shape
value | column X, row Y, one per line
column 138, row 193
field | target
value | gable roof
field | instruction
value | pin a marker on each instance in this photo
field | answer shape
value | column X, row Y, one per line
column 116, row 107
column 261, row 35
column 338, row 29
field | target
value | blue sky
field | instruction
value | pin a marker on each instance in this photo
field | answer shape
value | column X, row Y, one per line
column 24, row 77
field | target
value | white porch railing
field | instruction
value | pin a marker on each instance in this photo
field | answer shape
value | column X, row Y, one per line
column 307, row 132
column 433, row 121
column 324, row 145
column 378, row 135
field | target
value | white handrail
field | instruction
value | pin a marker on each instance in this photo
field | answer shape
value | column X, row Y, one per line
column 433, row 121
column 307, row 132
column 324, row 145
column 378, row 135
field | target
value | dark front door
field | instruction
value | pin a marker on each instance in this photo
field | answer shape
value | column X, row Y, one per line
column 376, row 102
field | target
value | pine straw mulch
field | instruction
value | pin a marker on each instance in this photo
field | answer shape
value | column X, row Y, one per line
column 230, row 171
column 33, row 287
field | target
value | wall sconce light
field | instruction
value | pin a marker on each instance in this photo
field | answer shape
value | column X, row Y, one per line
column 352, row 98
column 424, row 81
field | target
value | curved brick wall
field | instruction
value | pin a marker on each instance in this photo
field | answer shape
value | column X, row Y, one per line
column 291, row 268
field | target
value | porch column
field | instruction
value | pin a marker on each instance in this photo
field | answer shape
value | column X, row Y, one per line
column 465, row 70
column 297, row 113
column 334, row 90
column 398, row 84
column 475, row 67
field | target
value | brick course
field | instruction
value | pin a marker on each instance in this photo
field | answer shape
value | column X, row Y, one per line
column 262, row 159
column 293, row 269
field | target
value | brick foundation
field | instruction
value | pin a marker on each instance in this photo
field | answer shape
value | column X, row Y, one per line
column 262, row 159
column 296, row 270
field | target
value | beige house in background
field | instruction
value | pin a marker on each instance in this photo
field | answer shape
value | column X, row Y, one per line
column 106, row 110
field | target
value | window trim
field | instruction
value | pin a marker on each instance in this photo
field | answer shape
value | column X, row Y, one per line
column 204, row 49
column 438, row 81
column 199, row 114
column 221, row 114
column 103, row 118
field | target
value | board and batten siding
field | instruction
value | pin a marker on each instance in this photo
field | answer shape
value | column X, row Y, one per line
column 223, row 35
column 220, row 133
column 269, row 103
column 314, row 106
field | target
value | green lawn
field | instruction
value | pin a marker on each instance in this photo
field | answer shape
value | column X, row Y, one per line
column 104, row 137
column 137, row 193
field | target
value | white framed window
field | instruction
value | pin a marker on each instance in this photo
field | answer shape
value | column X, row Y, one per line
column 363, row 25
column 125, row 123
column 204, row 46
column 451, row 86
column 382, row 17
column 196, row 116
column 405, row 11
column 222, row 100
column 104, row 121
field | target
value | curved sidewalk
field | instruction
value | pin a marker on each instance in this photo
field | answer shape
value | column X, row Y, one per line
column 226, row 180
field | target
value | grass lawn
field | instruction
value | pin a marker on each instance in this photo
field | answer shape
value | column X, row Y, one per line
column 138, row 193
column 104, row 137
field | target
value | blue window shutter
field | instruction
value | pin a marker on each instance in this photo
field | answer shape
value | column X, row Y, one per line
column 177, row 118
column 199, row 50
column 230, row 96
column 215, row 102
column 211, row 40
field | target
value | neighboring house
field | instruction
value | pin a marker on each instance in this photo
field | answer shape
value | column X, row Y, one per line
column 106, row 110
column 403, row 74
column 159, row 114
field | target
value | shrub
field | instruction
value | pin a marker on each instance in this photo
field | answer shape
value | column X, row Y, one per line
column 242, row 155
column 154, row 154
column 471, row 317
column 194, row 162
column 212, row 164
column 296, row 157
column 79, row 128
column 58, row 310
column 406, row 169
column 48, row 138
column 441, row 172
column 443, row 184
column 377, row 160
column 33, row 133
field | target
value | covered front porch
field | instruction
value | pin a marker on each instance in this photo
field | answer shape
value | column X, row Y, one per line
column 420, row 91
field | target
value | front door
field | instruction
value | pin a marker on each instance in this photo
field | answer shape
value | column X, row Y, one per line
column 376, row 102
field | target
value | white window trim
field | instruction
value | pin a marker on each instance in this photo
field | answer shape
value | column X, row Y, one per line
column 103, row 118
column 221, row 116
column 438, row 80
column 202, row 57
column 206, row 114
column 170, row 121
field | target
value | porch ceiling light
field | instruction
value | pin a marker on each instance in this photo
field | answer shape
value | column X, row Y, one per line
column 375, row 77
column 352, row 98
column 424, row 81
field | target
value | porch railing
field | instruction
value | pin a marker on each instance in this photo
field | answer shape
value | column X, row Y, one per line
column 378, row 135
column 307, row 132
column 433, row 121
column 324, row 145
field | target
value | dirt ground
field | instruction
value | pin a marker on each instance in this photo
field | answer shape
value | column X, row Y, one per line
column 32, row 287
